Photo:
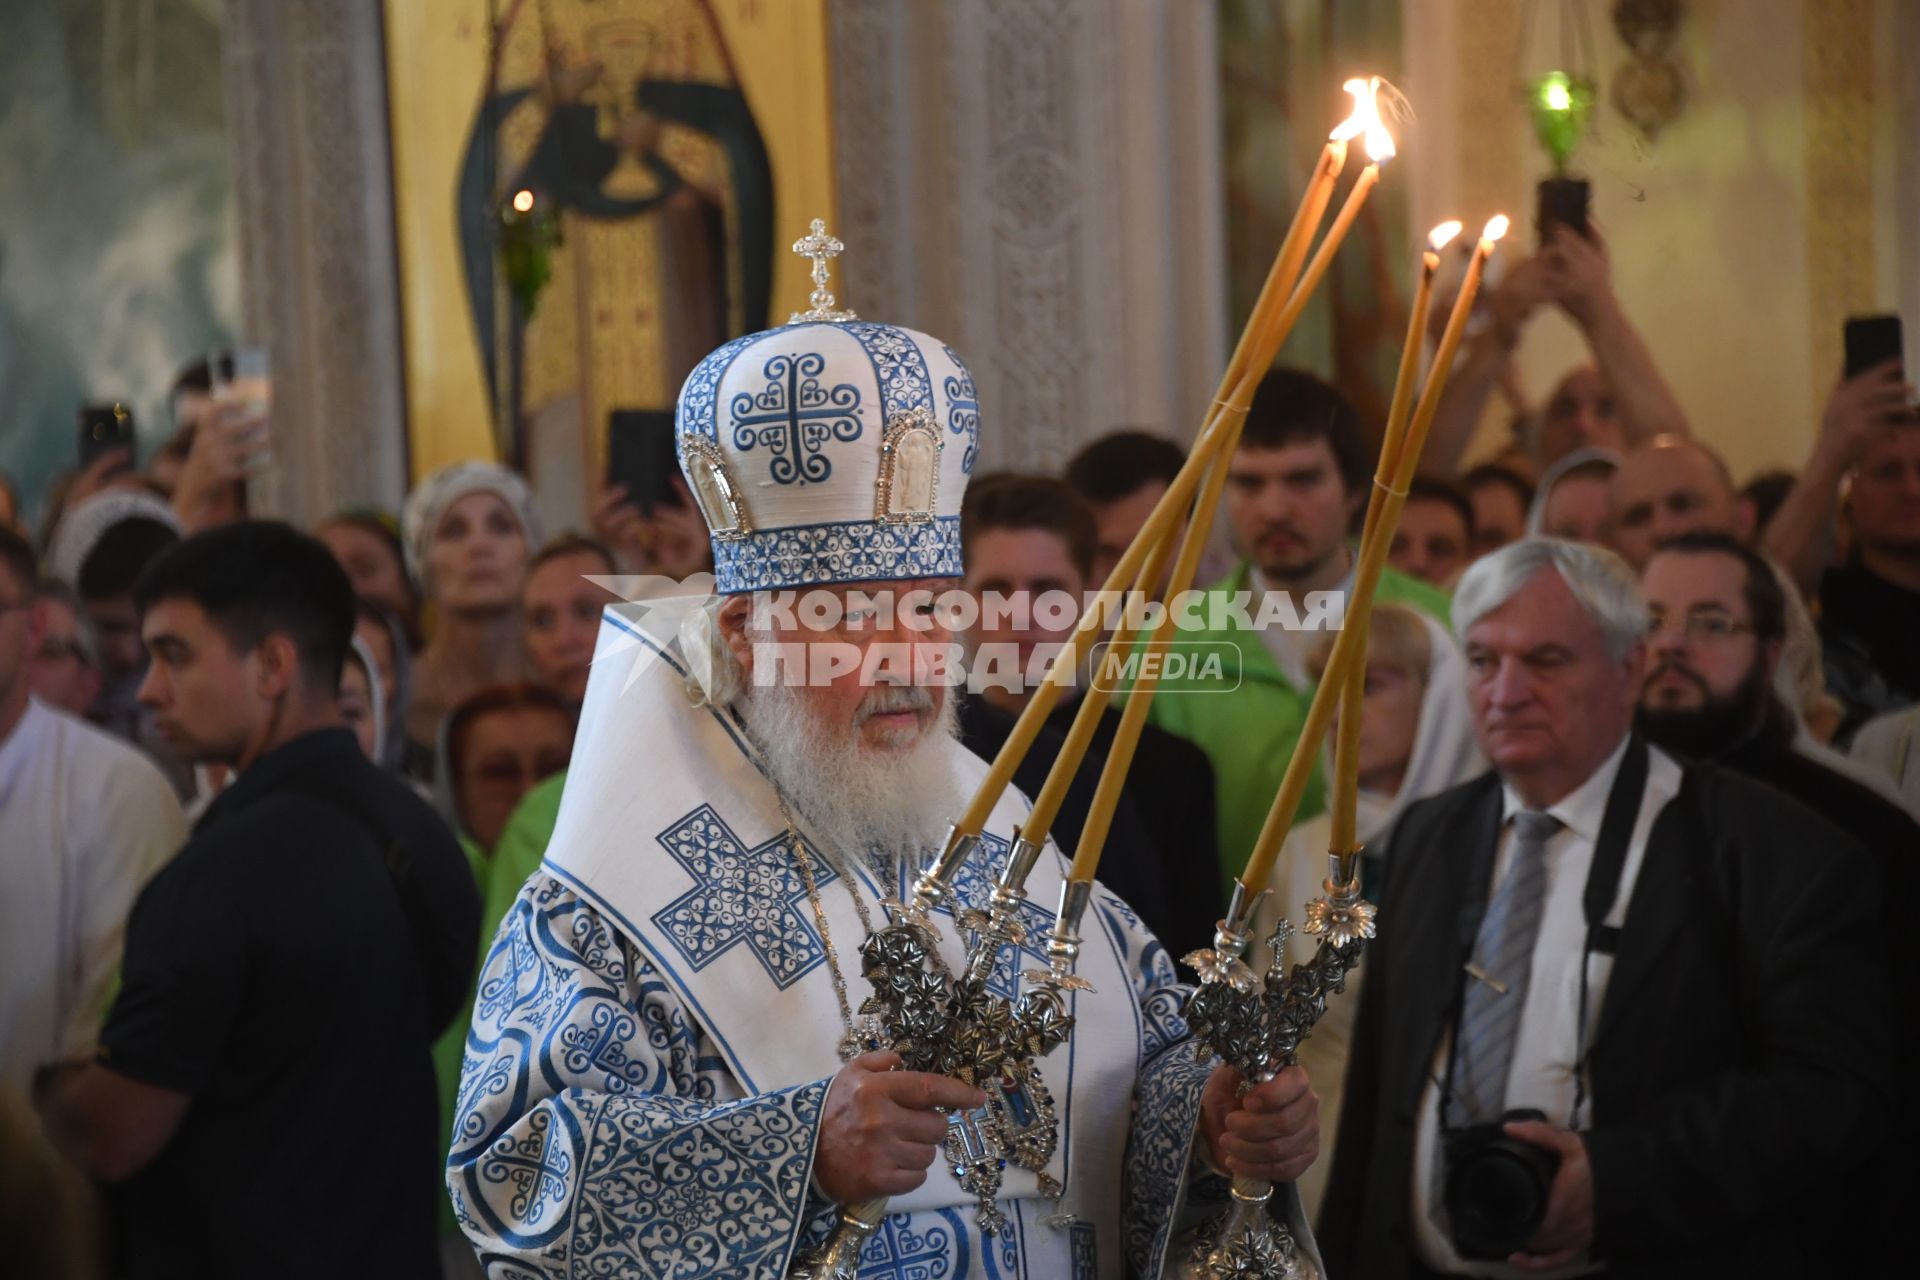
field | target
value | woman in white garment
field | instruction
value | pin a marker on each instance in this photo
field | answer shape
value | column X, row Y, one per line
column 1416, row 739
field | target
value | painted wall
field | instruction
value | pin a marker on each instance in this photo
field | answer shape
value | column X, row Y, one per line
column 437, row 65
column 117, row 263
column 1744, row 234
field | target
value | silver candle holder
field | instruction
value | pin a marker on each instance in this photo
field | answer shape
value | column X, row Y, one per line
column 953, row 1025
column 1256, row 1023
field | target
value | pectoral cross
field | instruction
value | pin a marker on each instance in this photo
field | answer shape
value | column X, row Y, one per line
column 821, row 248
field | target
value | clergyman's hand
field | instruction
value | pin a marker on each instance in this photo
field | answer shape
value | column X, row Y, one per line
column 1273, row 1132
column 881, row 1127
column 1568, row 1228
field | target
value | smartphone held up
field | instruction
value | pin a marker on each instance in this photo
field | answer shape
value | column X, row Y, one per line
column 242, row 391
column 105, row 428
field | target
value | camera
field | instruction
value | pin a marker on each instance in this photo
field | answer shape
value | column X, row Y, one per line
column 1496, row 1187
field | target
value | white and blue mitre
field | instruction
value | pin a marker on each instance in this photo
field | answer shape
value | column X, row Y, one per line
column 829, row 450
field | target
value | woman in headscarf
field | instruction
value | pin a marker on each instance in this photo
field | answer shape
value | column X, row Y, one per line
column 1416, row 740
column 1573, row 499
column 469, row 529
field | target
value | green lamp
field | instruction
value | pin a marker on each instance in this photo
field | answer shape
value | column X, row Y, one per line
column 1561, row 106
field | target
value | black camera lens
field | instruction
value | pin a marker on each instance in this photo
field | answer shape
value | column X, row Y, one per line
column 1496, row 1188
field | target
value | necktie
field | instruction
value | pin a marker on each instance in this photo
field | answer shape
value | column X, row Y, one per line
column 1503, row 957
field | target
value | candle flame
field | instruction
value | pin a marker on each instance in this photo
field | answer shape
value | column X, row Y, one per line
column 1438, row 238
column 1365, row 119
column 1495, row 228
column 523, row 201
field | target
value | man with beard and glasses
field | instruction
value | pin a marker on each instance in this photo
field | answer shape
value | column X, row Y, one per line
column 669, row 1070
column 1717, row 614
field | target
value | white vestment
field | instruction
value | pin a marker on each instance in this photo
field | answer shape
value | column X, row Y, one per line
column 655, row 1031
column 85, row 821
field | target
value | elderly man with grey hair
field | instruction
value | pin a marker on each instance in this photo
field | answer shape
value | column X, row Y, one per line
column 1623, row 1014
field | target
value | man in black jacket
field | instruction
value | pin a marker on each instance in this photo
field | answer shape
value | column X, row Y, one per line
column 1718, row 623
column 1028, row 538
column 1680, row 968
column 264, row 1094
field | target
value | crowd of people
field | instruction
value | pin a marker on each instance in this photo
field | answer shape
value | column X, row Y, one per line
column 267, row 795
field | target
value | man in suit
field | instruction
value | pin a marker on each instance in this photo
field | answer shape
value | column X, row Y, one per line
column 1680, row 968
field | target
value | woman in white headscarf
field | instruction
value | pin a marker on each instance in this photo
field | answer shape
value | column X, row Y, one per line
column 1572, row 499
column 1416, row 740
column 468, row 530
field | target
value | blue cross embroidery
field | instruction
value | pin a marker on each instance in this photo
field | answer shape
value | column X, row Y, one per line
column 601, row 1048
column 536, row 1166
column 963, row 410
column 794, row 416
column 740, row 895
column 917, row 1247
column 973, row 887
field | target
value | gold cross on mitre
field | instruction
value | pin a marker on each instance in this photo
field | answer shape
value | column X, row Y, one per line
column 820, row 247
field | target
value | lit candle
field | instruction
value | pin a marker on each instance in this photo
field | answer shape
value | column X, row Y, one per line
column 1231, row 414
column 1344, row 793
column 1274, row 314
column 1373, row 555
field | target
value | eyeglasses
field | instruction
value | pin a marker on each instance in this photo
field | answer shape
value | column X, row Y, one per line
column 1701, row 628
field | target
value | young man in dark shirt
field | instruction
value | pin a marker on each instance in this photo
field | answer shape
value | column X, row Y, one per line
column 264, row 1096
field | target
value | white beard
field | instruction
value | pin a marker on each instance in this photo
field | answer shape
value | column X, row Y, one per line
column 890, row 805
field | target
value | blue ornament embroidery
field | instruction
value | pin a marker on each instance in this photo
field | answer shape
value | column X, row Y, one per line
column 963, row 410
column 740, row 896
column 1086, row 1254
column 1166, row 1113
column 701, row 393
column 898, row 1252
column 847, row 551
column 793, row 417
column 538, row 1165
column 902, row 370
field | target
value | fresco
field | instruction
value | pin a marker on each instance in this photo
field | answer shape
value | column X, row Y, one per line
column 117, row 260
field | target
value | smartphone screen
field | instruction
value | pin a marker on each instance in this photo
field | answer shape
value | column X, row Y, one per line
column 1872, row 340
column 1565, row 201
column 103, row 429
column 641, row 455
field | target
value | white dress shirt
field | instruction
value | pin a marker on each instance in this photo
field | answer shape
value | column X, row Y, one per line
column 1289, row 645
column 85, row 821
column 1547, row 1041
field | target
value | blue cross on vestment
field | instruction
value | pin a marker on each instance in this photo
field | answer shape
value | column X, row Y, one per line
column 923, row 1246
column 740, row 895
column 793, row 416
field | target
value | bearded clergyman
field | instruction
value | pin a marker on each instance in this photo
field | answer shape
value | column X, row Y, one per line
column 668, row 1071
